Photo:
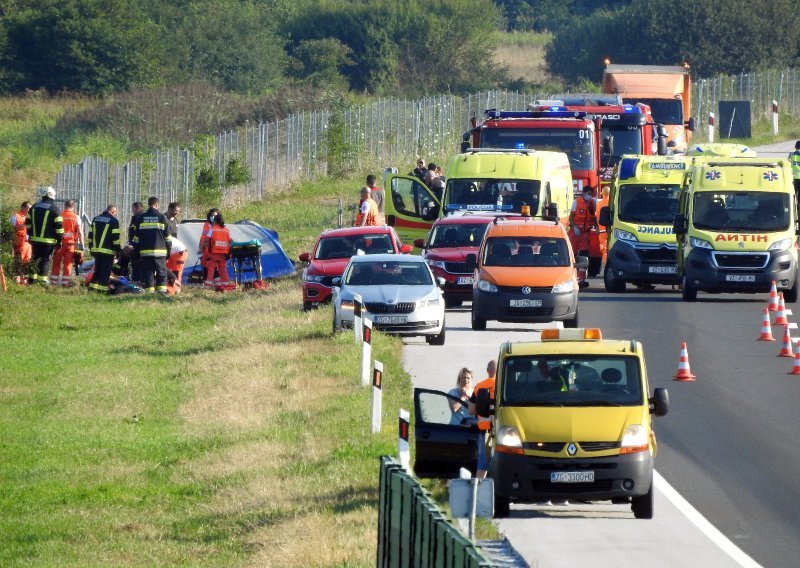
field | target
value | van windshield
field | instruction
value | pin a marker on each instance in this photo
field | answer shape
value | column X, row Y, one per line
column 571, row 380
column 576, row 143
column 753, row 211
column 648, row 203
column 627, row 140
column 665, row 111
column 526, row 251
column 508, row 195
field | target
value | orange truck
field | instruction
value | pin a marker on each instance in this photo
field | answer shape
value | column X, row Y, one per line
column 667, row 90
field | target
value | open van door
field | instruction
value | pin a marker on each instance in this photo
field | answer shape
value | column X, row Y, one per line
column 444, row 442
column 410, row 207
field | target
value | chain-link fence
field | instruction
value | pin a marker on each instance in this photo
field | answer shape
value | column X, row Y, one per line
column 308, row 145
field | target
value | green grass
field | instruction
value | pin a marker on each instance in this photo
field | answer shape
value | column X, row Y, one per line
column 761, row 130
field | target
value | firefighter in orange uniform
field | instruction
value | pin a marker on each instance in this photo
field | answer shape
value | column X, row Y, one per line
column 22, row 248
column 582, row 220
column 218, row 244
column 61, row 272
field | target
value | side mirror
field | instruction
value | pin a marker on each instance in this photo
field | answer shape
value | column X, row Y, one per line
column 661, row 140
column 440, row 282
column 464, row 147
column 608, row 145
column 304, row 257
column 551, row 212
column 419, row 243
column 690, row 124
column 605, row 216
column 337, row 281
column 471, row 261
column 659, row 403
column 406, row 249
column 484, row 405
column 582, row 262
column 680, row 225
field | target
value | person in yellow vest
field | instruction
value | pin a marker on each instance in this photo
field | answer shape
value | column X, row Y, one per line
column 43, row 224
column 61, row 273
column 370, row 215
column 22, row 248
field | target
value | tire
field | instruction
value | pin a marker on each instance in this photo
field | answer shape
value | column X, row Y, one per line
column 478, row 323
column 790, row 295
column 437, row 339
column 452, row 302
column 572, row 323
column 689, row 294
column 612, row 284
column 642, row 507
column 502, row 506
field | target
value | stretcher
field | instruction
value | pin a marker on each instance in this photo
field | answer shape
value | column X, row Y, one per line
column 246, row 264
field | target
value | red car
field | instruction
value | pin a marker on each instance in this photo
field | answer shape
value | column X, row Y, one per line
column 332, row 253
column 450, row 241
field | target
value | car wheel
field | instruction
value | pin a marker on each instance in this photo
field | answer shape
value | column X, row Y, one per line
column 642, row 507
column 572, row 323
column 612, row 284
column 689, row 294
column 478, row 323
column 790, row 295
column 452, row 302
column 437, row 339
column 502, row 506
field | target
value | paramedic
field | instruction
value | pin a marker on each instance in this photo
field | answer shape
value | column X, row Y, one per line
column 582, row 220
column 22, row 248
column 65, row 254
column 175, row 264
column 218, row 238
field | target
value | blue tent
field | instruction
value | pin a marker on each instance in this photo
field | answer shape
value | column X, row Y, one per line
column 274, row 261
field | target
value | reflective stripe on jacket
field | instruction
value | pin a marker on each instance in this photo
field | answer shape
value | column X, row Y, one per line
column 104, row 234
column 795, row 159
column 151, row 234
column 43, row 223
column 583, row 217
column 70, row 224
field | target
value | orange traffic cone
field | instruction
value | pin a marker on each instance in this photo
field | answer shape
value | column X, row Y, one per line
column 684, row 373
column 786, row 346
column 796, row 366
column 766, row 330
column 773, row 297
column 780, row 317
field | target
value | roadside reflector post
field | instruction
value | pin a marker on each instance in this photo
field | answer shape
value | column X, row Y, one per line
column 366, row 351
column 357, row 308
column 711, row 127
column 402, row 441
column 377, row 397
column 774, row 118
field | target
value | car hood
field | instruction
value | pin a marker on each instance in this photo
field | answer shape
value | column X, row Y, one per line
column 517, row 276
column 333, row 267
column 390, row 294
column 576, row 424
column 455, row 254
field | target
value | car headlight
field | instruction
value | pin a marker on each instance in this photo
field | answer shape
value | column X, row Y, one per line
column 311, row 278
column 434, row 302
column 486, row 286
column 508, row 440
column 346, row 305
column 624, row 235
column 782, row 244
column 564, row 287
column 636, row 439
column 700, row 243
column 436, row 263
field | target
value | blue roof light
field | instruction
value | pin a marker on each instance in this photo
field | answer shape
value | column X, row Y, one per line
column 627, row 168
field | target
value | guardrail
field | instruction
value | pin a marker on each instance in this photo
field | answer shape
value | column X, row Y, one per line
column 412, row 531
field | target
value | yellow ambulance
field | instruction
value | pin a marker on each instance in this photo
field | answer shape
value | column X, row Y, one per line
column 642, row 205
column 736, row 227
column 485, row 180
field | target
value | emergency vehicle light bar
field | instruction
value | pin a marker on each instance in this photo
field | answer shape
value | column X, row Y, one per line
column 539, row 112
column 592, row 333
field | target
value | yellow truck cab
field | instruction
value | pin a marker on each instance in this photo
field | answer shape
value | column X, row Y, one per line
column 572, row 420
column 736, row 227
column 642, row 205
column 481, row 180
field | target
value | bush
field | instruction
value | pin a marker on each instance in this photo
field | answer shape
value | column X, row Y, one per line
column 236, row 173
column 207, row 189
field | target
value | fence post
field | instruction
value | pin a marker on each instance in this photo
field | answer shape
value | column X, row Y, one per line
column 357, row 309
column 402, row 441
column 377, row 396
column 366, row 351
column 774, row 117
column 711, row 127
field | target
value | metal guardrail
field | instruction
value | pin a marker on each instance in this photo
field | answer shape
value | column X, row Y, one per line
column 413, row 532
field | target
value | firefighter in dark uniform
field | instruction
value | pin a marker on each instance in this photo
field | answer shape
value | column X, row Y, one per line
column 104, row 245
column 153, row 242
column 43, row 225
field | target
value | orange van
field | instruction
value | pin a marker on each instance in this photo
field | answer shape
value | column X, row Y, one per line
column 525, row 271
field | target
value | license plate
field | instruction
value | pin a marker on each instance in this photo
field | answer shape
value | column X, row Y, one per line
column 572, row 477
column 740, row 277
column 391, row 319
column 526, row 303
column 662, row 270
column 464, row 280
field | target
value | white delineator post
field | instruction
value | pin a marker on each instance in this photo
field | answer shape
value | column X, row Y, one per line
column 358, row 306
column 366, row 351
column 711, row 127
column 403, row 453
column 774, row 118
column 377, row 396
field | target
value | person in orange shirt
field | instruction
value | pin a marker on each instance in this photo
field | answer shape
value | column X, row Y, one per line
column 175, row 265
column 61, row 272
column 370, row 215
column 203, row 252
column 218, row 244
column 484, row 423
column 22, row 248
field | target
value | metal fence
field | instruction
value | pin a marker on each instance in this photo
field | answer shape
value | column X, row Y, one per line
column 309, row 145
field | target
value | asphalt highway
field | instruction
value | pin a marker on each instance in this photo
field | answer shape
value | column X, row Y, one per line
column 728, row 465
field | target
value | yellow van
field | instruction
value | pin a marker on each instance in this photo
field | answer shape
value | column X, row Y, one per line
column 736, row 228
column 642, row 205
column 572, row 420
column 490, row 180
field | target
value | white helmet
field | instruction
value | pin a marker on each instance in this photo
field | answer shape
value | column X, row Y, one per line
column 51, row 192
column 46, row 191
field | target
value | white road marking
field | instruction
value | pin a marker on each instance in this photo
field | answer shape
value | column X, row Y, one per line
column 705, row 526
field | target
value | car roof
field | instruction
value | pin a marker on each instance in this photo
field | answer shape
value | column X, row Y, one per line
column 354, row 231
column 387, row 258
column 464, row 220
column 525, row 227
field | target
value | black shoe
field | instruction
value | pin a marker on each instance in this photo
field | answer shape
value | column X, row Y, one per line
column 583, row 284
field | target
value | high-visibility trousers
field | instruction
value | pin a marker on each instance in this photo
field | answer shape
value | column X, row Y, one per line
column 61, row 271
column 217, row 270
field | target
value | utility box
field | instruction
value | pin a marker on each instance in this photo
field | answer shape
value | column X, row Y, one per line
column 734, row 119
